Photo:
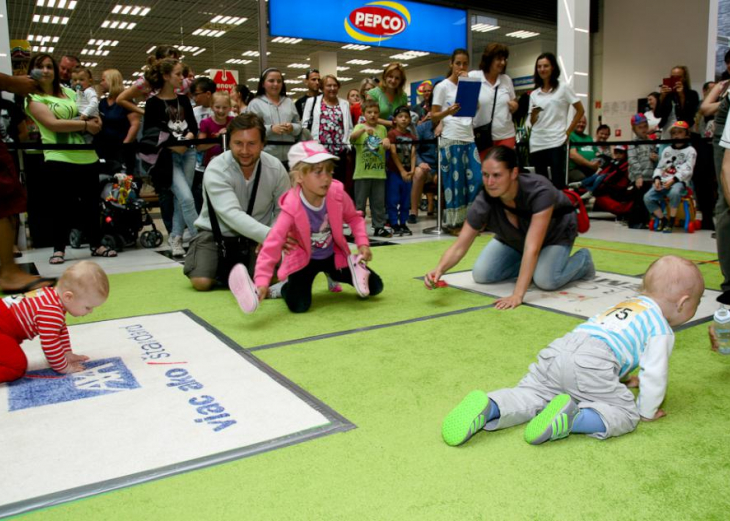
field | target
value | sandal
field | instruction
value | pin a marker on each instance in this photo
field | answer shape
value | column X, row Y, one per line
column 105, row 252
column 58, row 257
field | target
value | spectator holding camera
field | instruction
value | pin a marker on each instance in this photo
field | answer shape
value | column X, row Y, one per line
column 677, row 100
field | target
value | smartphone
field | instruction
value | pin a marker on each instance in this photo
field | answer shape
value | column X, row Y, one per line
column 36, row 74
column 670, row 81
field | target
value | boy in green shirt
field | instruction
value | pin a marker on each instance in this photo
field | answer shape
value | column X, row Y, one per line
column 371, row 141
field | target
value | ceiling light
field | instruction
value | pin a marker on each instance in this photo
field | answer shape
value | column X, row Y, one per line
column 62, row 4
column 355, row 47
column 522, row 34
column 281, row 39
column 36, row 18
column 410, row 55
column 151, row 49
column 371, row 71
column 298, row 65
column 116, row 9
column 216, row 19
column 126, row 9
column 342, row 68
column 255, row 79
column 105, row 24
column 292, row 81
column 299, row 89
column 483, row 28
column 360, row 62
column 250, row 53
column 344, row 79
column 118, row 25
column 198, row 52
column 145, row 11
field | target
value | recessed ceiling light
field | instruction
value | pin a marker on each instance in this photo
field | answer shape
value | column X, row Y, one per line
column 281, row 39
column 298, row 65
column 343, row 68
column 523, row 34
column 371, row 71
column 360, row 62
column 343, row 79
column 483, row 28
column 355, row 47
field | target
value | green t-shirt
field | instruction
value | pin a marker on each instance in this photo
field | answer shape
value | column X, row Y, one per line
column 62, row 108
column 370, row 154
column 587, row 151
column 386, row 107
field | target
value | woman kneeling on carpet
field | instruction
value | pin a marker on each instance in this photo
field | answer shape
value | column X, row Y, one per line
column 313, row 212
column 42, row 312
column 534, row 225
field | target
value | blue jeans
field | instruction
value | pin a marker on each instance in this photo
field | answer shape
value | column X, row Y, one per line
column 592, row 182
column 654, row 198
column 397, row 198
column 555, row 267
column 183, row 171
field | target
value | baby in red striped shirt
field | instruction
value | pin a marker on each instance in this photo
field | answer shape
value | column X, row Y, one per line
column 82, row 287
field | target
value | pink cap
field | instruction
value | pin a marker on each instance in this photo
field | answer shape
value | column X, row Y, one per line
column 309, row 152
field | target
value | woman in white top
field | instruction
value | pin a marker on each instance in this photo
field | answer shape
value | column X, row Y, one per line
column 496, row 86
column 327, row 116
column 550, row 103
column 654, row 122
column 278, row 112
column 460, row 167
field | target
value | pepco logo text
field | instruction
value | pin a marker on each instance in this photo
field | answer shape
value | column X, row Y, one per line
column 377, row 21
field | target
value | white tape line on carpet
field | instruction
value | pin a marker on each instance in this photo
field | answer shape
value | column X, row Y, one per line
column 584, row 298
column 162, row 394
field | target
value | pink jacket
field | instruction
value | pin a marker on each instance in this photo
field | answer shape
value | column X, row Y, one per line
column 293, row 218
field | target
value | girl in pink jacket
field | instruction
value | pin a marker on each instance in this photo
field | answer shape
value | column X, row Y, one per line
column 313, row 213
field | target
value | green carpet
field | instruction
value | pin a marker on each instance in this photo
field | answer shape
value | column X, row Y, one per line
column 396, row 384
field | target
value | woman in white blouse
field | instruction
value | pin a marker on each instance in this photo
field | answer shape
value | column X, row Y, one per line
column 550, row 104
column 496, row 87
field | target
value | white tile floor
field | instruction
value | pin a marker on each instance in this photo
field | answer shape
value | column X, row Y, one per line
column 141, row 259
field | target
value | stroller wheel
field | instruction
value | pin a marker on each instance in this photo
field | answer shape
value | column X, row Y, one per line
column 150, row 239
column 156, row 237
column 75, row 238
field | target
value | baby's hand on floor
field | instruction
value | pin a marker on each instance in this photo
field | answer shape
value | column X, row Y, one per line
column 659, row 414
column 72, row 357
column 632, row 382
column 73, row 367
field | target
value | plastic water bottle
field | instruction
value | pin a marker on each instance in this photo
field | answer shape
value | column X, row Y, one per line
column 722, row 329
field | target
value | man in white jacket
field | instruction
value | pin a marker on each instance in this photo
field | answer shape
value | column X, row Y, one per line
column 228, row 187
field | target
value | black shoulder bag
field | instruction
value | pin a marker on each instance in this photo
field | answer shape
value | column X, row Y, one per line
column 234, row 250
column 483, row 134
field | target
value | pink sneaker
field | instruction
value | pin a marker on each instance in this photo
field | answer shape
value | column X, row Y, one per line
column 243, row 288
column 360, row 274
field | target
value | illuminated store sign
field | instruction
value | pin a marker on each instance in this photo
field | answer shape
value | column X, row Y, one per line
column 400, row 25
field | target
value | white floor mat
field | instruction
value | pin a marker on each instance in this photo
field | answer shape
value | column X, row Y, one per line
column 583, row 298
column 163, row 394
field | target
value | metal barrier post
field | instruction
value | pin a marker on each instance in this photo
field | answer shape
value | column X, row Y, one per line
column 437, row 230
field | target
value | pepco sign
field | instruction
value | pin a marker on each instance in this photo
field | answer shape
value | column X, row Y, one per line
column 397, row 24
column 378, row 21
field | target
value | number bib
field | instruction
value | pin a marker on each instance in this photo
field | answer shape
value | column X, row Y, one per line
column 618, row 317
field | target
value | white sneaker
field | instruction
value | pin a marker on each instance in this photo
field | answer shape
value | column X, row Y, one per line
column 575, row 185
column 587, row 195
column 275, row 290
column 177, row 246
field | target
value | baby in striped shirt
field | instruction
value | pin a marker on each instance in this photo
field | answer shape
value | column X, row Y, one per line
column 82, row 287
column 580, row 382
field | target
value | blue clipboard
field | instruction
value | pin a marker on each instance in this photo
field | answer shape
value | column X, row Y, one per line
column 467, row 95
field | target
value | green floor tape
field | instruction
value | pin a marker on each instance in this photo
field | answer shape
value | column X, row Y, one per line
column 397, row 384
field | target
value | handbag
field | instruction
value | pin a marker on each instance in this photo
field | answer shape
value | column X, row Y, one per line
column 234, row 250
column 483, row 134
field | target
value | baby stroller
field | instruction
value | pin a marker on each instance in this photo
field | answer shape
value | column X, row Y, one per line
column 123, row 216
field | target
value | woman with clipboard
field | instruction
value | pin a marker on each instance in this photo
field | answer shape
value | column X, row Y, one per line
column 550, row 103
column 460, row 165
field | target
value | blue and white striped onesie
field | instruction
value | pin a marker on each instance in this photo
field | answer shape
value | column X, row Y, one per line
column 639, row 336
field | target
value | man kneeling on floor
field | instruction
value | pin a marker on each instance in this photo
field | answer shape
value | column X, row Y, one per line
column 579, row 384
column 243, row 186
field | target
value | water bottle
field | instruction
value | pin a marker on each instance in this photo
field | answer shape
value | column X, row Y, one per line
column 722, row 329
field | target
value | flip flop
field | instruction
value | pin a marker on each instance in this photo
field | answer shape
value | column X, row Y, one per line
column 47, row 281
column 57, row 259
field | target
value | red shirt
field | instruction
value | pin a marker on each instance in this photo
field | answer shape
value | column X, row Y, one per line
column 41, row 313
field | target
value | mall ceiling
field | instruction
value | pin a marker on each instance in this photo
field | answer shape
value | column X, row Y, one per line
column 173, row 22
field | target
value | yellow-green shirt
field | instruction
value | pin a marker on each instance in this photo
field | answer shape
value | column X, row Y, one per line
column 62, row 108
